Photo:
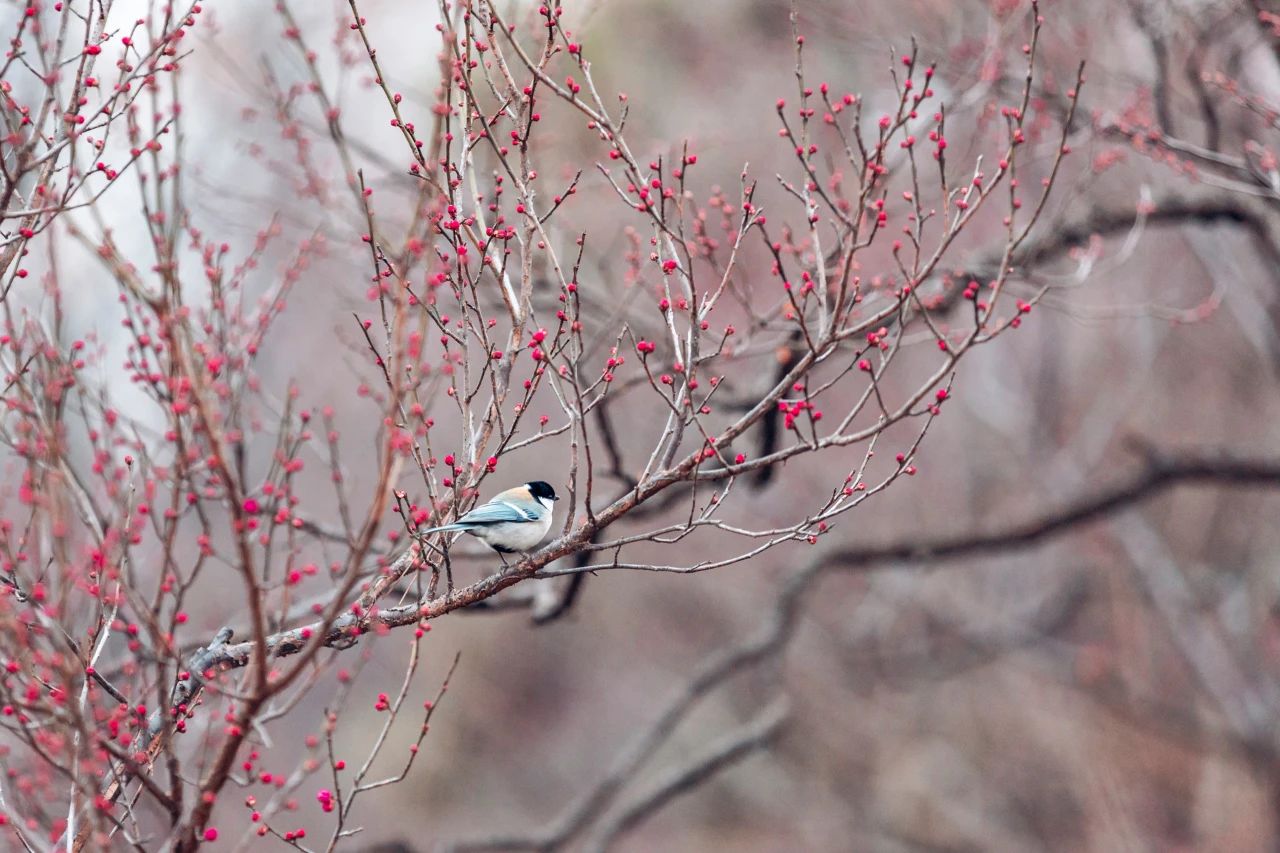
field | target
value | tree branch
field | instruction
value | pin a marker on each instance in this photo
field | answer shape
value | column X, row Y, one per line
column 1159, row 474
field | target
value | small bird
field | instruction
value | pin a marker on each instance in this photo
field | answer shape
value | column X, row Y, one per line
column 512, row 521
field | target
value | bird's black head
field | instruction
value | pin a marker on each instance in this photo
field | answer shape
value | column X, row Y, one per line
column 542, row 489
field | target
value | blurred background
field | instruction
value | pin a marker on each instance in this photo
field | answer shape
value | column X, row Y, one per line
column 1114, row 688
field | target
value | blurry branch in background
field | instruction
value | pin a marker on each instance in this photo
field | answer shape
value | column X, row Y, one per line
column 1233, row 161
column 723, row 751
column 1159, row 472
column 1171, row 210
column 1266, row 16
column 1079, row 238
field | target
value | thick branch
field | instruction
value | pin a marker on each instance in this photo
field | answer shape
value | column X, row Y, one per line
column 1159, row 474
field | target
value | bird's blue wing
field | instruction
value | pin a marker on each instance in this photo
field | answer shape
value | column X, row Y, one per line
column 496, row 512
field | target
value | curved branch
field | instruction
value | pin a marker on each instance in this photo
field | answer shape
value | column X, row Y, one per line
column 1159, row 474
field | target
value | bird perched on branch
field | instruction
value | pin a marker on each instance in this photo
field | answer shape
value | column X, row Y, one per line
column 512, row 521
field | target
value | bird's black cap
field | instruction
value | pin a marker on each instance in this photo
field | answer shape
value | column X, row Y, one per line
column 542, row 489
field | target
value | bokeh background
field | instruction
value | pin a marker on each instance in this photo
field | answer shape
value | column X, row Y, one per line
column 1115, row 688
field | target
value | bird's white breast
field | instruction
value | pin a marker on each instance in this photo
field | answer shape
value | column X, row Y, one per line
column 515, row 536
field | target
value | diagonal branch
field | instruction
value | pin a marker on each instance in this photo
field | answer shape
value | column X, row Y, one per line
column 724, row 753
column 1159, row 474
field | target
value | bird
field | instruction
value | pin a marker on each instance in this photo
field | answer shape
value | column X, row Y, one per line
column 513, row 521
